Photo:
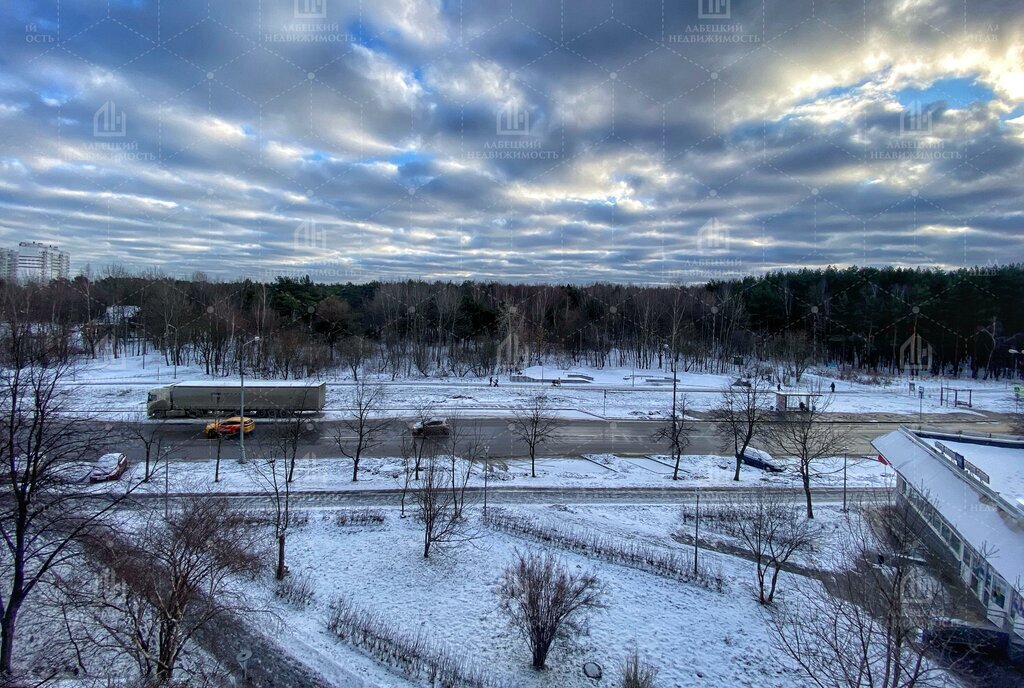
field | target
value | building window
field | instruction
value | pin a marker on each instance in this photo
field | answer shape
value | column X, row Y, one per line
column 998, row 596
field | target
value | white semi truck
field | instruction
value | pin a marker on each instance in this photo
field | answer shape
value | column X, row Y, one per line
column 220, row 397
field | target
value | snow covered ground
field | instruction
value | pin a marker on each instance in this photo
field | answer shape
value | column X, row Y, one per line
column 693, row 635
column 603, row 470
column 117, row 389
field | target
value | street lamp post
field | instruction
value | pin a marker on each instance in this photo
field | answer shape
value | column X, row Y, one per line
column 844, row 482
column 241, row 380
column 696, row 534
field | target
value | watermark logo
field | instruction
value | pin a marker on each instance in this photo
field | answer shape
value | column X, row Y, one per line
column 310, row 9
column 110, row 127
column 512, row 120
column 712, row 236
column 986, row 34
column 109, row 122
column 516, row 138
column 916, row 120
column 308, row 27
column 916, row 354
column 33, row 35
column 915, row 141
column 714, row 9
column 309, row 235
column 715, row 25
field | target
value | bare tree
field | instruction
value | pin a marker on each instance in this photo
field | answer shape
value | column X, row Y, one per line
column 742, row 415
column 364, row 427
column 676, row 432
column 42, row 450
column 545, row 601
column 533, row 424
column 464, row 443
column 636, row 671
column 865, row 627
column 149, row 435
column 410, row 463
column 354, row 352
column 438, row 506
column 771, row 526
column 809, row 436
column 422, row 446
column 176, row 577
column 270, row 473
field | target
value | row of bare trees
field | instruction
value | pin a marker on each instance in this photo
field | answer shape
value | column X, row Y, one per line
column 865, row 605
column 857, row 318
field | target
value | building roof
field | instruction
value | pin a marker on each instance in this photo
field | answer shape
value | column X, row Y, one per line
column 983, row 517
column 250, row 383
column 1001, row 464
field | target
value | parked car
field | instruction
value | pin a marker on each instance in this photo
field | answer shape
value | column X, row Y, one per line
column 757, row 458
column 434, row 427
column 108, row 467
column 229, row 427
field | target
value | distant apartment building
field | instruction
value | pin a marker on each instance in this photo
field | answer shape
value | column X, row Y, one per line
column 41, row 262
column 8, row 265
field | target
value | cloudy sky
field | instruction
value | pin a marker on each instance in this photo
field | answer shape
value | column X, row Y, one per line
column 653, row 141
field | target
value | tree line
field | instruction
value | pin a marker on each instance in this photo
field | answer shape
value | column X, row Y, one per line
column 887, row 321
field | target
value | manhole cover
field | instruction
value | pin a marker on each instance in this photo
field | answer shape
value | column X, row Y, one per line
column 592, row 670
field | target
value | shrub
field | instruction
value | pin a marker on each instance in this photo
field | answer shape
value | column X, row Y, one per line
column 297, row 589
column 677, row 565
column 637, row 672
column 414, row 655
column 360, row 517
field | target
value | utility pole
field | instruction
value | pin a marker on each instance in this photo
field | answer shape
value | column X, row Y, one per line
column 167, row 485
column 241, row 379
column 844, row 482
column 696, row 534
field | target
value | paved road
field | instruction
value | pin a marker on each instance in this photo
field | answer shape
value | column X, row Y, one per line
column 185, row 441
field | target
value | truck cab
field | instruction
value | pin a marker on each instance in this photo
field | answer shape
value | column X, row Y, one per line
column 158, row 403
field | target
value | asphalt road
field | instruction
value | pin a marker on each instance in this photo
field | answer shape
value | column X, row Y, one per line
column 184, row 440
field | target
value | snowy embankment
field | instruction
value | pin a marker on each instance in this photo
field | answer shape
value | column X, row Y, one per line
column 604, row 470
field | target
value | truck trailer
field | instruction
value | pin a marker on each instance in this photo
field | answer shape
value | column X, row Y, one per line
column 220, row 397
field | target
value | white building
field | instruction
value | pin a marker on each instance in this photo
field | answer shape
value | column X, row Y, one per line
column 42, row 262
column 8, row 264
column 969, row 490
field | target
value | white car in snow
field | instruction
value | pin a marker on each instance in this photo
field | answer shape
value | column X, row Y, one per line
column 108, row 467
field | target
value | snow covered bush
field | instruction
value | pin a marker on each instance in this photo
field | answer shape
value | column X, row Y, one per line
column 662, row 562
column 297, row 589
column 545, row 601
column 361, row 517
column 415, row 655
column 636, row 671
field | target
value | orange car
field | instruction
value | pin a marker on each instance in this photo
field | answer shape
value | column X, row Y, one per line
column 229, row 427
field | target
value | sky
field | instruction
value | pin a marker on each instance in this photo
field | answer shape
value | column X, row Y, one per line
column 641, row 141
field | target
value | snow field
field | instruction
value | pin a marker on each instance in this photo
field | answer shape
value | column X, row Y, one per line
column 118, row 387
column 694, row 636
